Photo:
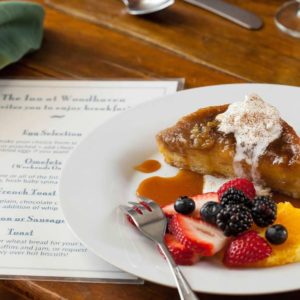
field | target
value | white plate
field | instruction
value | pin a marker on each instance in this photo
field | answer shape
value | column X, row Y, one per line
column 99, row 176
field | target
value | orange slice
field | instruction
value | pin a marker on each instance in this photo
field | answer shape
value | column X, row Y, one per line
column 289, row 251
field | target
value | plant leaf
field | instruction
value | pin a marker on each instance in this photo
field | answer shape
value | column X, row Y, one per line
column 21, row 30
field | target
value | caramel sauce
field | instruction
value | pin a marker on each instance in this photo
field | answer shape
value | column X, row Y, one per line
column 282, row 198
column 165, row 190
column 148, row 166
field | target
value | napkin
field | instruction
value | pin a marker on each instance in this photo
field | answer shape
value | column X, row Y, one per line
column 21, row 30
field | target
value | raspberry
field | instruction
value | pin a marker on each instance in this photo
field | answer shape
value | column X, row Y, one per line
column 264, row 211
column 247, row 248
column 234, row 196
column 234, row 219
column 240, row 184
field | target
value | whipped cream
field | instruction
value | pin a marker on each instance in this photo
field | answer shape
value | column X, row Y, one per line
column 255, row 124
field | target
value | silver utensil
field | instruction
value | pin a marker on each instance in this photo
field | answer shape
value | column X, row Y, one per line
column 151, row 221
column 142, row 7
column 231, row 12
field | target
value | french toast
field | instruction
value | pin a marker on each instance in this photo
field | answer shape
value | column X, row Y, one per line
column 196, row 143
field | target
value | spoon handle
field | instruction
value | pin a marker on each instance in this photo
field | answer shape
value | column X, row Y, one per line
column 231, row 12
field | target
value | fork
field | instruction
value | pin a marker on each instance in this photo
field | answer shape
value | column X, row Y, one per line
column 152, row 222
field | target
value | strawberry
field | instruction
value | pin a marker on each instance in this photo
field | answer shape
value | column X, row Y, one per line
column 241, row 184
column 197, row 235
column 138, row 211
column 169, row 210
column 181, row 254
column 247, row 248
column 200, row 200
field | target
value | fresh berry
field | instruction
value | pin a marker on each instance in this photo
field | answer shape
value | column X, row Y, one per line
column 146, row 205
column 184, row 205
column 240, row 184
column 138, row 211
column 234, row 196
column 264, row 211
column 181, row 254
column 276, row 234
column 247, row 248
column 197, row 235
column 130, row 219
column 200, row 200
column 169, row 210
column 209, row 211
column 234, row 219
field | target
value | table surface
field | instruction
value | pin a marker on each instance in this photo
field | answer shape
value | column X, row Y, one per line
column 180, row 42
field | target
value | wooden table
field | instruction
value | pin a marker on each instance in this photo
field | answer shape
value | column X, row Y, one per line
column 182, row 41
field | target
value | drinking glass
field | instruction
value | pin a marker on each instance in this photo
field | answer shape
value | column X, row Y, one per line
column 287, row 18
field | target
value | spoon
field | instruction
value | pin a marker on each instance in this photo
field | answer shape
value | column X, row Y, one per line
column 226, row 10
column 141, row 7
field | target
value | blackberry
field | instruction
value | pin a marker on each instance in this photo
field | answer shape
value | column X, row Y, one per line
column 234, row 219
column 234, row 196
column 264, row 211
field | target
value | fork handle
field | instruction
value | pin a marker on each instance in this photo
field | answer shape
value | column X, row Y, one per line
column 183, row 286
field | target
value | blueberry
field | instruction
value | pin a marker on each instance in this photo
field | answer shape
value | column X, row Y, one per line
column 209, row 211
column 184, row 205
column 276, row 234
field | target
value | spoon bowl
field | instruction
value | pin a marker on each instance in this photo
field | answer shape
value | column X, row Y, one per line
column 142, row 7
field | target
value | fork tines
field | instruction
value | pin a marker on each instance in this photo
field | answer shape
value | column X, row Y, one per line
column 142, row 211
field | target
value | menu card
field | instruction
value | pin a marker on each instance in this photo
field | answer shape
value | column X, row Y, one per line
column 41, row 123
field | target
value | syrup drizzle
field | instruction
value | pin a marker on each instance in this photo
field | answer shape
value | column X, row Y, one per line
column 165, row 190
column 282, row 198
column 148, row 166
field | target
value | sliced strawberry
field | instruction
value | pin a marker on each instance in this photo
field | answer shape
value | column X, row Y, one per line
column 200, row 200
column 181, row 254
column 247, row 248
column 197, row 235
column 241, row 184
column 130, row 220
column 169, row 210
column 138, row 211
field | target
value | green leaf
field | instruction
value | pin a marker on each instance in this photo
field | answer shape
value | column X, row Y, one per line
column 21, row 30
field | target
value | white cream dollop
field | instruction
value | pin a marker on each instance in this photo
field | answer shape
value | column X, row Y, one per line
column 255, row 124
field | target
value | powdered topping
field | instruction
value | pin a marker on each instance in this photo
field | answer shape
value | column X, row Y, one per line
column 294, row 147
column 255, row 124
